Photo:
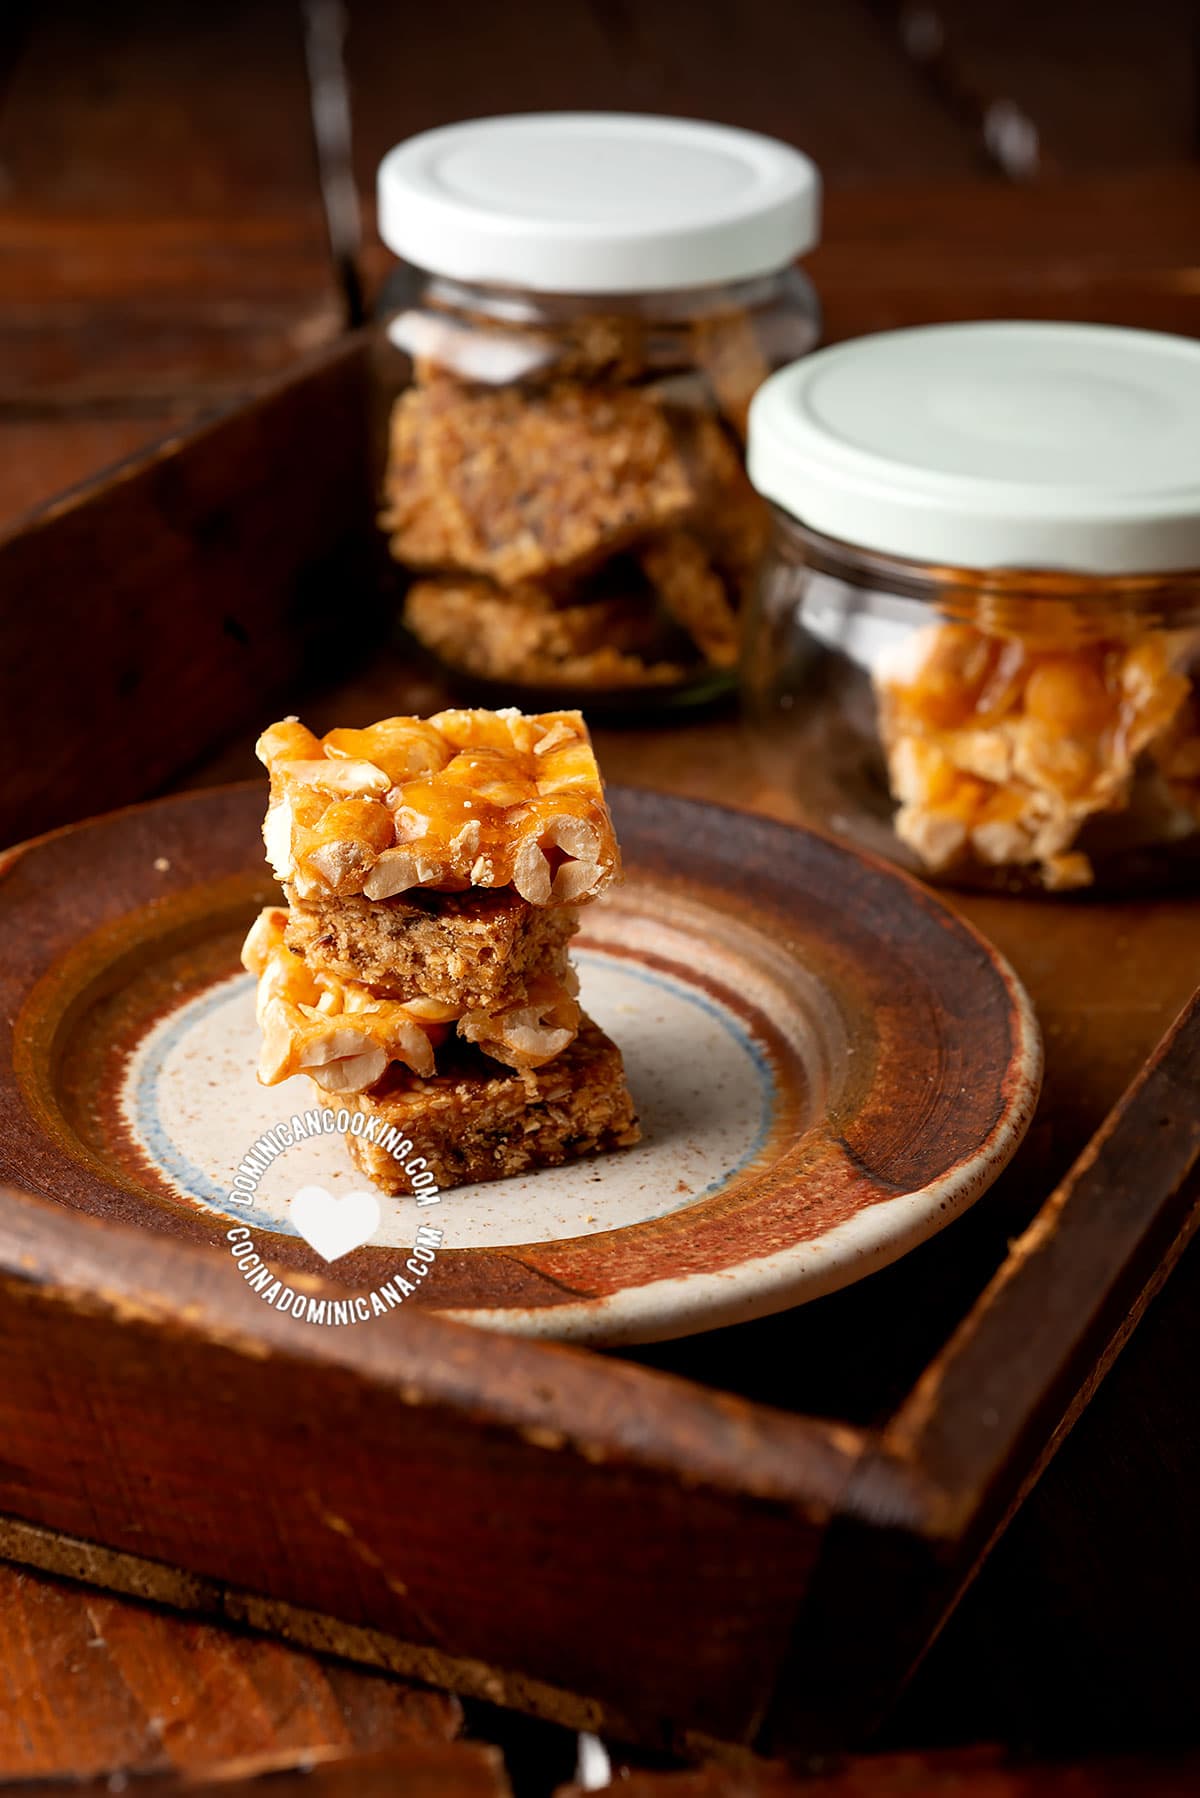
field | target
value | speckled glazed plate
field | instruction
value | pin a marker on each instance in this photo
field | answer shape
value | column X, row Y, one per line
column 828, row 1064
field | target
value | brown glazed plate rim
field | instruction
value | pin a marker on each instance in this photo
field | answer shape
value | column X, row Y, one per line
column 904, row 1054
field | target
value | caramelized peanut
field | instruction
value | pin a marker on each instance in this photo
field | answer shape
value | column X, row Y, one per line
column 466, row 798
column 1004, row 748
column 1068, row 695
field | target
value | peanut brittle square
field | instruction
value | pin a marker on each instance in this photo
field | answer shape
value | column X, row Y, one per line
column 345, row 1035
column 1000, row 749
column 462, row 800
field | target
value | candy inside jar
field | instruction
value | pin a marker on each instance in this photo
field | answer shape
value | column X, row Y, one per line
column 1018, row 749
column 591, row 303
column 996, row 681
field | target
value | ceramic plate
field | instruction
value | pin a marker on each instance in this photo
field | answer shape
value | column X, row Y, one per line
column 828, row 1064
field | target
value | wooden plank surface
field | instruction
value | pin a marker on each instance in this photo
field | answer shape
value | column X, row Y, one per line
column 827, row 78
column 151, row 550
column 1104, row 86
column 418, row 1769
column 151, row 1404
column 162, row 243
column 1015, row 1377
column 90, row 1683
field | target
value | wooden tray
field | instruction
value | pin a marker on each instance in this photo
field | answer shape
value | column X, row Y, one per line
column 611, row 1544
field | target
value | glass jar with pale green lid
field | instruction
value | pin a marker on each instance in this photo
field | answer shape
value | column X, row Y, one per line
column 586, row 305
column 975, row 644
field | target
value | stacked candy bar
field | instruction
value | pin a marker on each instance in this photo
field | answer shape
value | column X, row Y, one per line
column 569, row 533
column 433, row 871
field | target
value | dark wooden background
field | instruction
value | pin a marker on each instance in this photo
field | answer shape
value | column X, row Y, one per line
column 162, row 240
column 164, row 251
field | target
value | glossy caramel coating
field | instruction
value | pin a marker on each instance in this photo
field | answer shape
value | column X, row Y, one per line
column 345, row 1036
column 1002, row 748
column 464, row 799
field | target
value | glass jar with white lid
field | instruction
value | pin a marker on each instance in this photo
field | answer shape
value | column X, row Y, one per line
column 975, row 645
column 586, row 305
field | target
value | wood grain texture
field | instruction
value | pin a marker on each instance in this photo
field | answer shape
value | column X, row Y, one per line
column 162, row 244
column 1103, row 87
column 419, row 1770
column 1107, row 1550
column 1061, row 1283
column 118, row 112
column 1020, row 1369
column 43, row 457
column 111, row 597
column 1105, row 247
column 149, row 249
column 490, row 1500
column 121, row 316
column 828, row 78
column 91, row 1684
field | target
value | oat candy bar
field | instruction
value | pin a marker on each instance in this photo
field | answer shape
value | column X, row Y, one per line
column 532, row 454
column 464, row 799
column 477, row 950
column 727, row 348
column 526, row 486
column 345, row 1036
column 732, row 520
column 682, row 574
column 523, row 634
column 1001, row 751
column 474, row 1121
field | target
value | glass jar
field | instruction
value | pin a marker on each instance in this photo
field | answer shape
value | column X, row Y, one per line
column 975, row 644
column 587, row 306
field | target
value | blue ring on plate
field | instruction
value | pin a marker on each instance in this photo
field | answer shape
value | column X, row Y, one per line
column 163, row 1150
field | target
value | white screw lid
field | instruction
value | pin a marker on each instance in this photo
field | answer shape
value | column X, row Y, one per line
column 992, row 446
column 597, row 202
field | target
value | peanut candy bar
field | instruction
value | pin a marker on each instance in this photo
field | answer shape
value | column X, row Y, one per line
column 523, row 635
column 463, row 799
column 533, row 1033
column 474, row 1122
column 337, row 1032
column 478, row 950
column 344, row 1036
column 1002, row 751
column 523, row 486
